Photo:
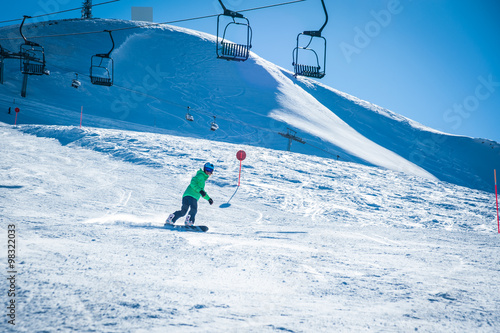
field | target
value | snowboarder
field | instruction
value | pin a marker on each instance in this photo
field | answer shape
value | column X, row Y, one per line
column 194, row 191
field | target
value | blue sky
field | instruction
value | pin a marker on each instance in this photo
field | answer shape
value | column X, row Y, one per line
column 434, row 61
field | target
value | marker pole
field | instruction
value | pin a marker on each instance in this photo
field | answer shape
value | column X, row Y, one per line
column 17, row 111
column 239, row 176
column 81, row 116
column 240, row 155
column 496, row 197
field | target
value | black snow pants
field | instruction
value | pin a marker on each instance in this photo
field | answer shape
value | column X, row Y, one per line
column 187, row 203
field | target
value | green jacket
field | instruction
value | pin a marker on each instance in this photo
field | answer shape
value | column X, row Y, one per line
column 197, row 184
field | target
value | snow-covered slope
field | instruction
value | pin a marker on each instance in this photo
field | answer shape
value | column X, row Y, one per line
column 160, row 71
column 307, row 244
column 370, row 242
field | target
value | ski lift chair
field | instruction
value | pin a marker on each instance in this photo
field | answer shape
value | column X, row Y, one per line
column 189, row 117
column 316, row 68
column 32, row 55
column 102, row 67
column 228, row 50
column 101, row 70
column 75, row 83
column 32, row 59
column 214, row 126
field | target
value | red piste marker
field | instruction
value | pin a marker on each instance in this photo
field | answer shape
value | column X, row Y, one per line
column 496, row 197
column 81, row 116
column 17, row 111
column 240, row 155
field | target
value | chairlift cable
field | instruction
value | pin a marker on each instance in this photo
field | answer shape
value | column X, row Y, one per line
column 270, row 6
column 155, row 24
column 70, row 10
column 59, row 12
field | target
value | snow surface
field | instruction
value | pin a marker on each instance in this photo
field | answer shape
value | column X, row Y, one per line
column 161, row 70
column 322, row 246
column 384, row 239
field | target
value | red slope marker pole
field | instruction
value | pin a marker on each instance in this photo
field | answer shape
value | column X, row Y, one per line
column 17, row 111
column 239, row 175
column 240, row 155
column 81, row 116
column 496, row 197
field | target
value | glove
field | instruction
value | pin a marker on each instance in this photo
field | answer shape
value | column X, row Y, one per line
column 203, row 193
column 210, row 201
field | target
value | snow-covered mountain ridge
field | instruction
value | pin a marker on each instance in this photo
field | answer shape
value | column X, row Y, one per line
column 161, row 70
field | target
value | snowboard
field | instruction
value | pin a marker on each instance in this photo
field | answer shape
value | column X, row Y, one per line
column 194, row 228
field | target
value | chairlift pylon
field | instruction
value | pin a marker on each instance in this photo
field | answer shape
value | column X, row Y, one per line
column 214, row 126
column 189, row 117
column 32, row 55
column 230, row 50
column 317, row 68
column 102, row 67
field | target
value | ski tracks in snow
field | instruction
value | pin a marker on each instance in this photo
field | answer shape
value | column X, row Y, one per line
column 325, row 245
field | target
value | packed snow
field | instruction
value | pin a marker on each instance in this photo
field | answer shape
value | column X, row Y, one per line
column 376, row 224
column 306, row 244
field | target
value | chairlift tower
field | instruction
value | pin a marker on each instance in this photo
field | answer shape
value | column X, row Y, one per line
column 291, row 135
column 6, row 54
column 32, row 56
column 87, row 9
